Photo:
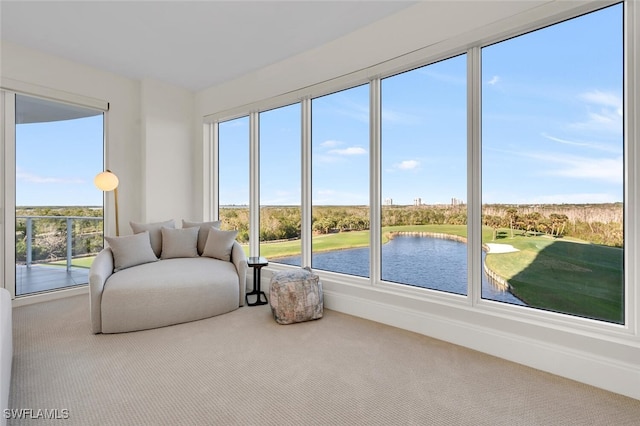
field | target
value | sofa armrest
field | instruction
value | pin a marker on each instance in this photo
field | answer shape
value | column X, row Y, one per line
column 101, row 270
column 239, row 259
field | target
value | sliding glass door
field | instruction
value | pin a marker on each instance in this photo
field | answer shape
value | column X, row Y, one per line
column 58, row 149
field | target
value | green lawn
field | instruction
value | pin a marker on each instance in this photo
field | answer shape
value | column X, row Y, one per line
column 82, row 262
column 566, row 276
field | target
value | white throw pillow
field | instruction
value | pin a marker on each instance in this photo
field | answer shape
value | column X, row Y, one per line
column 219, row 244
column 131, row 250
column 155, row 233
column 179, row 243
column 203, row 233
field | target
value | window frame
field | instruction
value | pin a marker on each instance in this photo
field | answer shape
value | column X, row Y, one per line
column 470, row 44
column 9, row 89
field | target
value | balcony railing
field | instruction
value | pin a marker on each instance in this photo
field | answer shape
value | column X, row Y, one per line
column 54, row 243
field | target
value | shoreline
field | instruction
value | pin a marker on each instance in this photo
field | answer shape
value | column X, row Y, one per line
column 494, row 278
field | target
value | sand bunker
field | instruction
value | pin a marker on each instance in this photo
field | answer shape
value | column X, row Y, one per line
column 501, row 248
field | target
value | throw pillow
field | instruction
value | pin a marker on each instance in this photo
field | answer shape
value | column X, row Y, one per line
column 131, row 250
column 155, row 233
column 179, row 243
column 203, row 233
column 219, row 244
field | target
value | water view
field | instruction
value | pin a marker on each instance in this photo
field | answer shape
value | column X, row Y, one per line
column 440, row 264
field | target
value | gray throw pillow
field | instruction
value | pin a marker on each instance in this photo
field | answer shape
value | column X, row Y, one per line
column 219, row 244
column 179, row 243
column 155, row 233
column 203, row 233
column 131, row 250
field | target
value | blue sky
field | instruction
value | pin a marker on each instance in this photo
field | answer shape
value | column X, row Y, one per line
column 57, row 161
column 551, row 131
column 551, row 128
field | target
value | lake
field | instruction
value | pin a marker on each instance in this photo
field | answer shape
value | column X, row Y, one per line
column 433, row 263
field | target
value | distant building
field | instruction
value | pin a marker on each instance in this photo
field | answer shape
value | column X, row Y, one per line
column 388, row 201
column 417, row 201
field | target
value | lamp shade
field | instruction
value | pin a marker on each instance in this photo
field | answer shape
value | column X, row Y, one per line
column 106, row 181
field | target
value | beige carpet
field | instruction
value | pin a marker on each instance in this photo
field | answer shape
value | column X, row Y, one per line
column 242, row 368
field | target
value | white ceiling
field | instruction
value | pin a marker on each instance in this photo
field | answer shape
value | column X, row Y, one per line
column 191, row 44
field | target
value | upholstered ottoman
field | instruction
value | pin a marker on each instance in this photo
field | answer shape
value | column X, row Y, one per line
column 296, row 296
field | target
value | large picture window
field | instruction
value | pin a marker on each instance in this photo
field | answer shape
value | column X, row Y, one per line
column 553, row 166
column 538, row 180
column 233, row 173
column 340, row 180
column 424, row 179
column 280, row 209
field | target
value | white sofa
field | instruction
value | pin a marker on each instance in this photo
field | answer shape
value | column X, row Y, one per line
column 6, row 349
column 165, row 291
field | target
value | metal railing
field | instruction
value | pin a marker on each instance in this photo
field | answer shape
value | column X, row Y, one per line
column 69, row 234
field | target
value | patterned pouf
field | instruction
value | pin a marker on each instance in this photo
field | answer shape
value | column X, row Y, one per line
column 296, row 296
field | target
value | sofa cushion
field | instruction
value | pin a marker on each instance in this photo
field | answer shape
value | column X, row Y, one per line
column 131, row 250
column 219, row 244
column 203, row 231
column 179, row 243
column 168, row 292
column 155, row 233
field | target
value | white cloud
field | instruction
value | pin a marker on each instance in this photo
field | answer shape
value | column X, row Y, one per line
column 408, row 165
column 352, row 150
column 608, row 116
column 591, row 145
column 330, row 144
column 33, row 178
column 604, row 169
column 603, row 98
column 494, row 80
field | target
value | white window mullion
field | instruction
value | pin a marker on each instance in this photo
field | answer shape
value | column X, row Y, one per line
column 305, row 140
column 632, row 155
column 254, row 184
column 210, row 171
column 474, row 175
column 375, row 223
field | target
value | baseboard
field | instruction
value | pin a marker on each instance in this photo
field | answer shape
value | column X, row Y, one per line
column 50, row 295
column 605, row 373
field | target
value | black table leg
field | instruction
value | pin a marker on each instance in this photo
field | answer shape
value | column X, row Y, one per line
column 261, row 297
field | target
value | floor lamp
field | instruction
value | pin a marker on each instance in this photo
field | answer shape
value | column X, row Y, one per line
column 107, row 181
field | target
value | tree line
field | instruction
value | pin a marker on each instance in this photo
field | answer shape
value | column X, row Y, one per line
column 49, row 235
column 597, row 223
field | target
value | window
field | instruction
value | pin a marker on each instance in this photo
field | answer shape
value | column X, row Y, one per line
column 233, row 172
column 280, row 185
column 550, row 161
column 340, row 181
column 553, row 166
column 424, row 179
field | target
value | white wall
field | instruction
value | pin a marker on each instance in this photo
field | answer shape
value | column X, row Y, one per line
column 606, row 357
column 167, row 138
column 150, row 132
column 123, row 120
